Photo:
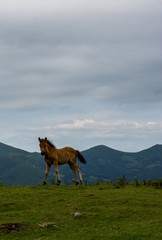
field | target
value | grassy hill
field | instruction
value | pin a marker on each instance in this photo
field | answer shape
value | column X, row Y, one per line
column 107, row 212
column 19, row 167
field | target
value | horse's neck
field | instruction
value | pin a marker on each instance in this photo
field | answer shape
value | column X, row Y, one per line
column 49, row 150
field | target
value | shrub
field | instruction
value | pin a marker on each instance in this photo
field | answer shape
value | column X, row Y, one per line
column 120, row 182
column 137, row 182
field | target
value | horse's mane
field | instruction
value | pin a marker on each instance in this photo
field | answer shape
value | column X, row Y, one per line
column 51, row 144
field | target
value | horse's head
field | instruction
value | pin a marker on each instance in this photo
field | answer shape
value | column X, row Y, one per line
column 43, row 145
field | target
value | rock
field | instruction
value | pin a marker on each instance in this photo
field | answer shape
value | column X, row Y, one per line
column 77, row 214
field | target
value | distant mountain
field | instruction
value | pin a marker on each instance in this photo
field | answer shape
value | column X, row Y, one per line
column 19, row 167
column 107, row 164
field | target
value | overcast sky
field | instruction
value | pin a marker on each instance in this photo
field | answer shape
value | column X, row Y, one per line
column 81, row 73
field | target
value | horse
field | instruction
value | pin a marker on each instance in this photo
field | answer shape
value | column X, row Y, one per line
column 61, row 156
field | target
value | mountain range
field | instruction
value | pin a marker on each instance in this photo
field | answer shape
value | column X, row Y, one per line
column 19, row 167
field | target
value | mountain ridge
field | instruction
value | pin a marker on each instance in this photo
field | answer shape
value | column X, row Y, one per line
column 20, row 167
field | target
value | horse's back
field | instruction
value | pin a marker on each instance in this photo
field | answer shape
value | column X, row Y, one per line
column 66, row 154
column 69, row 149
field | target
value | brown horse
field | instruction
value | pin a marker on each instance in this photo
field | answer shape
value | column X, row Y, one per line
column 55, row 156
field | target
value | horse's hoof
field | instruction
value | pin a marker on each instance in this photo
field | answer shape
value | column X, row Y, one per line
column 75, row 182
column 81, row 183
column 44, row 183
column 58, row 183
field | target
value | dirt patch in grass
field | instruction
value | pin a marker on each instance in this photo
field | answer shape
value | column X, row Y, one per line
column 8, row 227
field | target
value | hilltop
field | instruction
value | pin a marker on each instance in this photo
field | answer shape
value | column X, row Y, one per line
column 19, row 167
column 146, row 164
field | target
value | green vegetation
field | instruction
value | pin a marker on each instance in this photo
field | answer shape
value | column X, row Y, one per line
column 108, row 212
column 122, row 181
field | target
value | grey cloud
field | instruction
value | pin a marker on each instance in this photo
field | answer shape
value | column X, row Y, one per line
column 79, row 59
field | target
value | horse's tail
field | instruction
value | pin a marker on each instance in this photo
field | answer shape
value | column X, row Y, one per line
column 80, row 157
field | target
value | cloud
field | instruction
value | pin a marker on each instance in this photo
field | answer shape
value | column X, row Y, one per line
column 77, row 124
column 86, row 133
column 74, row 65
column 107, row 126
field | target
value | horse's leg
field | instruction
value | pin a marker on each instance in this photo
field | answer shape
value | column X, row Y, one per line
column 46, row 173
column 57, row 173
column 75, row 180
column 79, row 171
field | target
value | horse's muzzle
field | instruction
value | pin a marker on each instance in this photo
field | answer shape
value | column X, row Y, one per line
column 42, row 153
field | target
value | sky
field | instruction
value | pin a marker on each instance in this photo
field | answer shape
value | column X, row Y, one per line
column 81, row 73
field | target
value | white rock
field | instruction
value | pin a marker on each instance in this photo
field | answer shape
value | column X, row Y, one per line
column 78, row 214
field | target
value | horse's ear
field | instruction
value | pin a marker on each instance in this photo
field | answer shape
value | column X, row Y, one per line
column 39, row 139
column 45, row 139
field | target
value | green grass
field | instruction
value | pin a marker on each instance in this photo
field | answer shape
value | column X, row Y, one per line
column 133, row 213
